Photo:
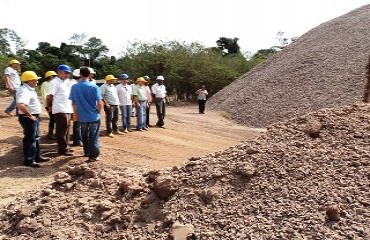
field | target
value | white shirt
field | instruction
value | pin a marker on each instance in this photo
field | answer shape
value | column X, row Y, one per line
column 60, row 90
column 202, row 94
column 124, row 94
column 28, row 96
column 159, row 90
column 109, row 92
column 14, row 79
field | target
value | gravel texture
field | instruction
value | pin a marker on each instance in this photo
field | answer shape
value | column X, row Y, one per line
column 324, row 68
column 305, row 178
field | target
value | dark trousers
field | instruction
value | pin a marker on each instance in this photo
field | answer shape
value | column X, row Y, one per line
column 90, row 139
column 51, row 119
column 147, row 114
column 31, row 146
column 111, row 118
column 62, row 130
column 202, row 105
column 77, row 138
column 161, row 111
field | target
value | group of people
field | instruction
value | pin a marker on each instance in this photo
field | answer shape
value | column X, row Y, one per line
column 74, row 97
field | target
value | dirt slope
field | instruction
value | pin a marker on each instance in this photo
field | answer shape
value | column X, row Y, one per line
column 324, row 68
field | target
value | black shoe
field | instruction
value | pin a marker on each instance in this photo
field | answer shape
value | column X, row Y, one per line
column 34, row 165
column 78, row 144
column 43, row 159
column 51, row 137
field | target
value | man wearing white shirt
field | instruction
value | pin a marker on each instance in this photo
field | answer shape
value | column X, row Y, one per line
column 125, row 98
column 12, row 83
column 29, row 110
column 58, row 98
column 111, row 103
column 160, row 96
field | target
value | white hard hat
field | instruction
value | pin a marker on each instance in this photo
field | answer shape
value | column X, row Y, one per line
column 160, row 78
column 76, row 73
column 92, row 70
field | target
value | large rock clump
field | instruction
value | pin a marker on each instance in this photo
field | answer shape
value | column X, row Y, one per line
column 288, row 183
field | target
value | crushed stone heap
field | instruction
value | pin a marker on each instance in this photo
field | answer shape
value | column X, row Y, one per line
column 325, row 67
column 305, row 178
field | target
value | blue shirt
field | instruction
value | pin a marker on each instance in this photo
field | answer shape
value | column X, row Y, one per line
column 85, row 96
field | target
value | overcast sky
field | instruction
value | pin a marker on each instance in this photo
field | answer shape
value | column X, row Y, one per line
column 117, row 22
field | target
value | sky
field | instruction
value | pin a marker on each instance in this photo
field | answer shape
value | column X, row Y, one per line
column 119, row 22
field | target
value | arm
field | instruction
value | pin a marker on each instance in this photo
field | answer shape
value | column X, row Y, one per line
column 22, row 107
column 75, row 112
column 99, row 106
column 8, row 84
column 49, row 102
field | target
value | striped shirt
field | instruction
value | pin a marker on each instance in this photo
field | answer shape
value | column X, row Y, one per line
column 109, row 92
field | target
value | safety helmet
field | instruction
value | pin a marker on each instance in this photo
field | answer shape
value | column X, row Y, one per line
column 14, row 61
column 160, row 78
column 124, row 76
column 110, row 77
column 146, row 78
column 50, row 73
column 29, row 75
column 92, row 70
column 64, row 68
column 76, row 73
column 140, row 79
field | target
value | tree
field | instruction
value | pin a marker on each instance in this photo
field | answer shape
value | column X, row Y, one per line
column 10, row 42
column 94, row 49
column 228, row 44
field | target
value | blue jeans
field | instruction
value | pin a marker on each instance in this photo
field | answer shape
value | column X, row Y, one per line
column 141, row 115
column 12, row 105
column 90, row 138
column 126, row 116
column 77, row 138
column 31, row 131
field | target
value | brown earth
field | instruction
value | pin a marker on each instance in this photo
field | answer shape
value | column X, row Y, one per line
column 188, row 134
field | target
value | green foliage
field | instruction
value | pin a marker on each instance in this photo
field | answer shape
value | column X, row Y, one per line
column 186, row 66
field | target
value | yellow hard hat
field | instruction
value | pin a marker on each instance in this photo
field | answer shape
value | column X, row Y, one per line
column 29, row 75
column 140, row 79
column 14, row 61
column 110, row 77
column 50, row 73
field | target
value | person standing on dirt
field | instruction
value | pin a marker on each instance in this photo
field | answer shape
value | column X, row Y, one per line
column 140, row 100
column 61, row 107
column 88, row 113
column 76, row 129
column 111, row 103
column 29, row 110
column 50, row 75
column 202, row 98
column 160, row 97
column 12, row 83
column 124, row 91
column 150, row 99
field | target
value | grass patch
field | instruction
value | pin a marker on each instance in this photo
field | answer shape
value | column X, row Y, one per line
column 225, row 115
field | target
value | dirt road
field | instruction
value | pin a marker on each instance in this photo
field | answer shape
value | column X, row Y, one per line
column 188, row 134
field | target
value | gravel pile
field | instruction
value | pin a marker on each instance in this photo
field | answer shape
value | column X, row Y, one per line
column 305, row 178
column 324, row 68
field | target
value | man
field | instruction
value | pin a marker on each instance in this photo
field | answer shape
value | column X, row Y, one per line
column 111, row 103
column 92, row 75
column 160, row 97
column 149, row 96
column 202, row 98
column 140, row 102
column 77, row 138
column 12, row 83
column 88, row 113
column 57, row 97
column 124, row 91
column 50, row 75
column 29, row 109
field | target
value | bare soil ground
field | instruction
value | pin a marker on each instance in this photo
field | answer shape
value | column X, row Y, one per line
column 188, row 134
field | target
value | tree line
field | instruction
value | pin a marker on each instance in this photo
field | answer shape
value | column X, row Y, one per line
column 185, row 66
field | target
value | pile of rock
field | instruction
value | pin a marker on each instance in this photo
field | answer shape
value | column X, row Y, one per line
column 324, row 68
column 305, row 178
